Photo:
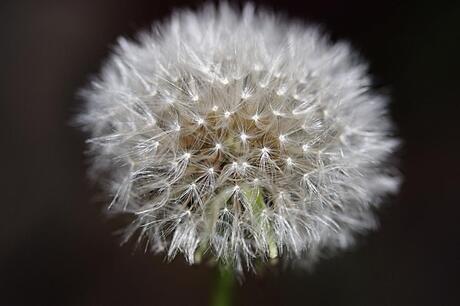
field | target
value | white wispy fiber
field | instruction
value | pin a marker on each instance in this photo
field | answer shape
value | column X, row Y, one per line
column 240, row 136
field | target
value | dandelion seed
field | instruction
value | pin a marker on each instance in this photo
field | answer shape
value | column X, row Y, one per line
column 282, row 138
column 265, row 150
column 200, row 121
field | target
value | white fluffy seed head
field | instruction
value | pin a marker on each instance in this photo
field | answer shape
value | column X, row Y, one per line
column 241, row 137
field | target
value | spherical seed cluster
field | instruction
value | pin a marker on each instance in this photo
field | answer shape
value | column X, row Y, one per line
column 240, row 136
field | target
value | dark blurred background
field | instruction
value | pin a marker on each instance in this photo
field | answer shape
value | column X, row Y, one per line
column 56, row 246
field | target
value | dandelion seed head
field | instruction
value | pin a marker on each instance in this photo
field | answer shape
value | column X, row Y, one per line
column 199, row 128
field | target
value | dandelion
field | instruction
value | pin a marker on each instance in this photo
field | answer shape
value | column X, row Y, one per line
column 240, row 137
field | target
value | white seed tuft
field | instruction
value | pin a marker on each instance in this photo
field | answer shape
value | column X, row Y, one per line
column 199, row 127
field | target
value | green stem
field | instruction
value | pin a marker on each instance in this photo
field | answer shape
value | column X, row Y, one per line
column 222, row 295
